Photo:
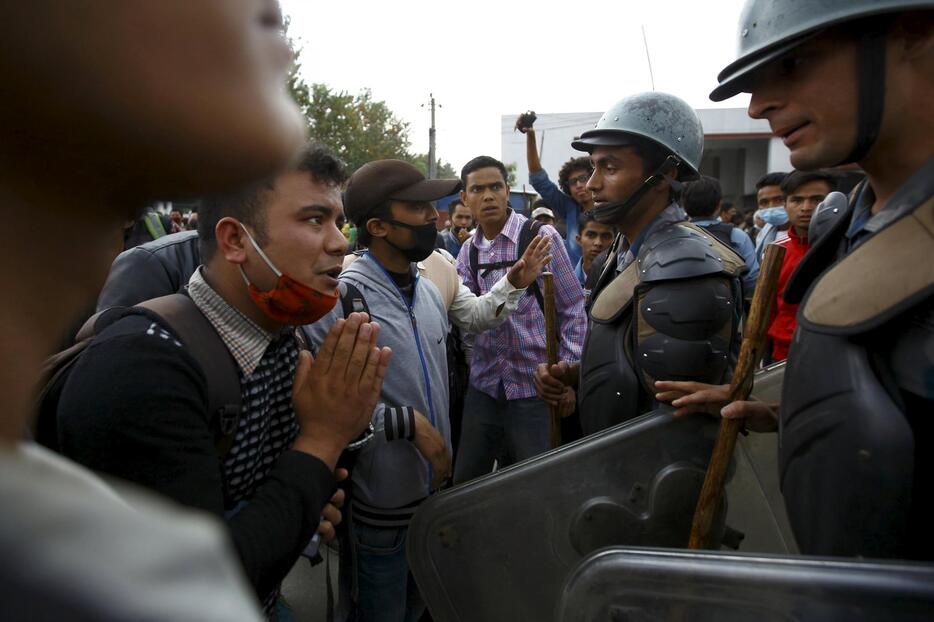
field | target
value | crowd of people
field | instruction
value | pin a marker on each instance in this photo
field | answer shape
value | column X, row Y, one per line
column 255, row 384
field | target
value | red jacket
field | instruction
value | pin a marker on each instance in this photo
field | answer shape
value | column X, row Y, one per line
column 783, row 316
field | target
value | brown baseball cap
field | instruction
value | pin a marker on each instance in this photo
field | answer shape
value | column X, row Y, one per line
column 376, row 182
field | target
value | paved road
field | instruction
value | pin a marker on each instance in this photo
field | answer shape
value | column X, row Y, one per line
column 305, row 589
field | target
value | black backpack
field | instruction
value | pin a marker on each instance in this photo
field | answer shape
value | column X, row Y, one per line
column 528, row 231
column 182, row 317
column 723, row 231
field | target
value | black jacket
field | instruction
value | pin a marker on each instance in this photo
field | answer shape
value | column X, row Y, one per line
column 135, row 407
column 154, row 269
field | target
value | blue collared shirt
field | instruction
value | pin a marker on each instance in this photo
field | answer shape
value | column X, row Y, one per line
column 451, row 243
column 562, row 205
column 627, row 252
column 863, row 223
column 743, row 245
column 579, row 271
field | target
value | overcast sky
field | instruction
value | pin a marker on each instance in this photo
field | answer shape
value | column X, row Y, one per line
column 486, row 58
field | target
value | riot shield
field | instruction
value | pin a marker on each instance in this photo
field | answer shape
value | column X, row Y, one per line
column 701, row 586
column 500, row 547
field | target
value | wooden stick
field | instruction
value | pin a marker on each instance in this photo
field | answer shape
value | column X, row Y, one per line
column 551, row 344
column 749, row 355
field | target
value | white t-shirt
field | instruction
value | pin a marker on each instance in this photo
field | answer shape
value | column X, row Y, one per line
column 73, row 547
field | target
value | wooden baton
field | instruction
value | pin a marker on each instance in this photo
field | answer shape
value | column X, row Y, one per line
column 741, row 386
column 551, row 344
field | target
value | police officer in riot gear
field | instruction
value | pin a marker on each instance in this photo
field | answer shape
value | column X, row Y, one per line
column 668, row 300
column 851, row 81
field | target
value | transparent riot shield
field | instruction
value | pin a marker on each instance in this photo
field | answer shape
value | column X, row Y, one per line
column 501, row 547
column 700, row 586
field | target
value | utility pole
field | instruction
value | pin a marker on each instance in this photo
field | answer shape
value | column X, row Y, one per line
column 432, row 161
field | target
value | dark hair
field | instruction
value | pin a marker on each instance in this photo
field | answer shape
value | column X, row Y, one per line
column 771, row 179
column 796, row 179
column 699, row 198
column 586, row 218
column 653, row 155
column 574, row 164
column 452, row 206
column 247, row 205
column 482, row 162
column 383, row 211
column 539, row 202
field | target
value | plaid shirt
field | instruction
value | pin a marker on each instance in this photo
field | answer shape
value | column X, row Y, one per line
column 246, row 341
column 511, row 352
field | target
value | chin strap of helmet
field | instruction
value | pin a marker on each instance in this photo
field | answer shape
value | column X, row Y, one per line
column 614, row 213
column 871, row 89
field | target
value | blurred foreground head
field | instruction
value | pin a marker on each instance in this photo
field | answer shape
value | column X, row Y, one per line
column 107, row 105
column 169, row 98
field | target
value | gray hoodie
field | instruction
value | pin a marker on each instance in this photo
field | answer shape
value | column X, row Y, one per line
column 390, row 476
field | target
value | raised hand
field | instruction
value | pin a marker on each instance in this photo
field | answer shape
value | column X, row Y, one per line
column 532, row 262
column 525, row 122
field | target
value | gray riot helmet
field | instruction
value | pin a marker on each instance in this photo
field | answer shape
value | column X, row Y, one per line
column 770, row 29
column 667, row 122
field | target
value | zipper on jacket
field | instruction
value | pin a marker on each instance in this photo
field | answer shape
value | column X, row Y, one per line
column 418, row 346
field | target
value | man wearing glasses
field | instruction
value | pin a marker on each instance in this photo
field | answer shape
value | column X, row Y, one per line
column 569, row 198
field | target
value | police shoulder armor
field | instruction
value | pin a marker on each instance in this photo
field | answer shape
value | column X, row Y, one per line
column 835, row 306
column 687, row 306
column 684, row 250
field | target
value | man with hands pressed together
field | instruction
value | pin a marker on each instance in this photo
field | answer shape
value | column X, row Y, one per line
column 135, row 404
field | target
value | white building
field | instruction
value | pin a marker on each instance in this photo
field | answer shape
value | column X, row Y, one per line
column 738, row 150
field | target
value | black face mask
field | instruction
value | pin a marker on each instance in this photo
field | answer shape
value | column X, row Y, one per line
column 425, row 237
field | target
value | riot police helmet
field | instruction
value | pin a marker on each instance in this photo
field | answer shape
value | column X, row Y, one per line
column 661, row 118
column 770, row 29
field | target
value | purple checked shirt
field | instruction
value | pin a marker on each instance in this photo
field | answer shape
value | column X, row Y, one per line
column 511, row 352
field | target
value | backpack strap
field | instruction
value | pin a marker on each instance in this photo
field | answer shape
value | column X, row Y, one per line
column 473, row 258
column 723, row 231
column 352, row 300
column 185, row 319
column 530, row 229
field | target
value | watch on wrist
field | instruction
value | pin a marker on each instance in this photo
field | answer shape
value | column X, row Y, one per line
column 362, row 440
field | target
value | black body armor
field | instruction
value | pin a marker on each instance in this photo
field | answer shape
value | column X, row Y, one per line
column 672, row 314
column 856, row 416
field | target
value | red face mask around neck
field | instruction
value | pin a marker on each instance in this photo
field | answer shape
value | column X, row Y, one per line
column 289, row 302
